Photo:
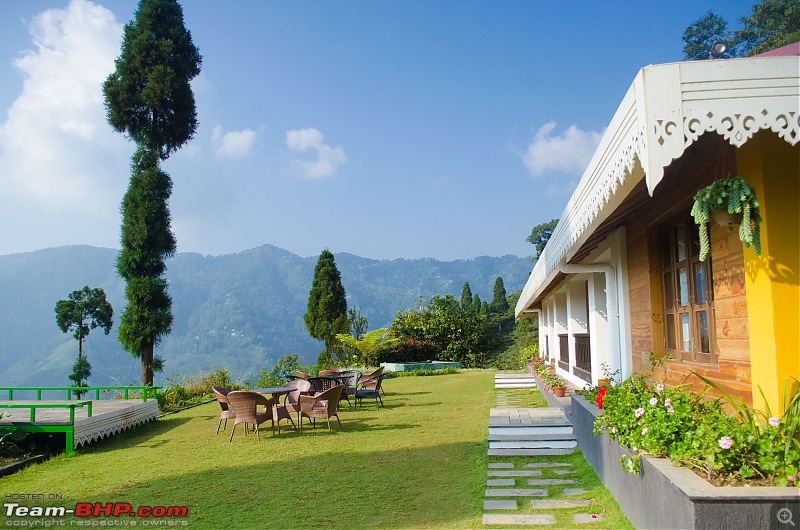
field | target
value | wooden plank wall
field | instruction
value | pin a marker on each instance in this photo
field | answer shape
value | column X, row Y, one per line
column 707, row 161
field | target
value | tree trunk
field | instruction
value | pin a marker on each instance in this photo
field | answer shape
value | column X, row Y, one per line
column 147, row 365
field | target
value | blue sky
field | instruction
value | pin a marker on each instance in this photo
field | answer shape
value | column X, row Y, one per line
column 387, row 129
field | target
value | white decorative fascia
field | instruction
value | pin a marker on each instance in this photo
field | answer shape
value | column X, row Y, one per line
column 666, row 109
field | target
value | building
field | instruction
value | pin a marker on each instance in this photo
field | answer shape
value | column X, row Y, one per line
column 620, row 282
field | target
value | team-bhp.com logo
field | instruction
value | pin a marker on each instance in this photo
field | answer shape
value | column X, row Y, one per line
column 94, row 510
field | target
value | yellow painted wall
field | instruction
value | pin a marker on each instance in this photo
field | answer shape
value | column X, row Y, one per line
column 772, row 167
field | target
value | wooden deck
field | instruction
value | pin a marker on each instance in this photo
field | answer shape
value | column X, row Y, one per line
column 109, row 417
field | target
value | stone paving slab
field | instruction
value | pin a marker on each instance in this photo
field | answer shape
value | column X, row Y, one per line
column 586, row 517
column 528, row 473
column 499, row 505
column 547, row 464
column 573, row 491
column 532, row 444
column 551, row 504
column 563, row 471
column 500, row 482
column 551, row 481
column 544, row 519
column 516, row 492
column 501, row 465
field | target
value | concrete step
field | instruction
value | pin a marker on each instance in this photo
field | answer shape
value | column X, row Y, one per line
column 561, row 430
column 528, row 452
column 536, row 444
column 501, row 437
column 514, row 380
column 510, row 519
column 514, row 385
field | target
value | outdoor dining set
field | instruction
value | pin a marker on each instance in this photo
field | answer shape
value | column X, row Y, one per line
column 308, row 396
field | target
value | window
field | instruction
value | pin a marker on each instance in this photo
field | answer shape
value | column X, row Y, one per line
column 688, row 297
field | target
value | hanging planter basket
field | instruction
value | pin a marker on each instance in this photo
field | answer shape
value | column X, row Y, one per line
column 735, row 200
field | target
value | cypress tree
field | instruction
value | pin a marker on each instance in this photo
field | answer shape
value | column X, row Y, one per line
column 466, row 297
column 499, row 303
column 148, row 98
column 327, row 305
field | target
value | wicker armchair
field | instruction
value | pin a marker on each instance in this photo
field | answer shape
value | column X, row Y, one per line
column 292, row 400
column 370, row 388
column 369, row 379
column 322, row 405
column 321, row 383
column 246, row 405
column 301, row 375
column 350, row 384
column 227, row 413
column 329, row 371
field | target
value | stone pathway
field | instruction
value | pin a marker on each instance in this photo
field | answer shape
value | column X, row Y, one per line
column 536, row 485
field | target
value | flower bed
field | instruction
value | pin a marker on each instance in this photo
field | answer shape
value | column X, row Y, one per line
column 661, row 495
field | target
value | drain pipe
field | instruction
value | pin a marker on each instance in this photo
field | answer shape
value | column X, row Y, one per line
column 611, row 304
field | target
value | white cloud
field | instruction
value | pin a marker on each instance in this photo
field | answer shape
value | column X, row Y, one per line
column 569, row 153
column 233, row 144
column 328, row 158
column 56, row 151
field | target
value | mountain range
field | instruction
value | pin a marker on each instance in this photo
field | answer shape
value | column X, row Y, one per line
column 236, row 311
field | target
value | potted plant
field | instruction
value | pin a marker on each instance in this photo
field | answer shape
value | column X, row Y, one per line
column 732, row 195
column 608, row 375
column 556, row 385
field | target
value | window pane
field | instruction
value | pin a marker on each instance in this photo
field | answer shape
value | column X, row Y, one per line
column 702, row 327
column 699, row 283
column 670, row 332
column 695, row 235
column 686, row 336
column 669, row 291
column 683, row 287
column 680, row 240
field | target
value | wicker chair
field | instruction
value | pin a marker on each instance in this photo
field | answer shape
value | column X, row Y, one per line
column 321, row 383
column 369, row 379
column 227, row 412
column 350, row 384
column 370, row 388
column 301, row 375
column 292, row 400
column 329, row 371
column 246, row 404
column 322, row 405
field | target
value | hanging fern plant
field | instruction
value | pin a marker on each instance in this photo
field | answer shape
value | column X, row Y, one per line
column 736, row 196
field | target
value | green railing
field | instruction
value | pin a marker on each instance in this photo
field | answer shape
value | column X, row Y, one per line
column 70, row 406
column 68, row 429
column 69, row 390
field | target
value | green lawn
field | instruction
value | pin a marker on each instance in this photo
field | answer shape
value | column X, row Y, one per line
column 419, row 462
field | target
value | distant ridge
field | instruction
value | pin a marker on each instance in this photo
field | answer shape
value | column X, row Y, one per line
column 237, row 311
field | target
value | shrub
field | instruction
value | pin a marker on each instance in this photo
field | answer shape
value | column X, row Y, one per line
column 409, row 351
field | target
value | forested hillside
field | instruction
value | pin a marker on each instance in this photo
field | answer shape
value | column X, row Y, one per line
column 238, row 311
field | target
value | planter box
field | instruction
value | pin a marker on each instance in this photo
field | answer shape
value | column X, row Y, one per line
column 662, row 495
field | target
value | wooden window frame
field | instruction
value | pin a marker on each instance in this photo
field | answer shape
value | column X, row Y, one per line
column 697, row 300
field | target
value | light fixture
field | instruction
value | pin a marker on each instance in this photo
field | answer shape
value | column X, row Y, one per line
column 717, row 50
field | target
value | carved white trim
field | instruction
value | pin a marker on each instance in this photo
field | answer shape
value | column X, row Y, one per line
column 666, row 109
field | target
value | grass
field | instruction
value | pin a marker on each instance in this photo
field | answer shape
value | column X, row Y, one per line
column 419, row 462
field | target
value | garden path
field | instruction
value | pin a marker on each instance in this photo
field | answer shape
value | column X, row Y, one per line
column 530, row 432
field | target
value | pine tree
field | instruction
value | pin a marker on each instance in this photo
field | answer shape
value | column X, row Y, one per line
column 499, row 303
column 327, row 306
column 148, row 97
column 466, row 297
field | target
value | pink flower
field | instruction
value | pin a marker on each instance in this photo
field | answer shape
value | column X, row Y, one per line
column 668, row 403
column 791, row 478
column 639, row 412
column 725, row 442
column 653, row 401
column 774, row 421
column 644, row 431
column 670, row 410
column 614, row 430
column 660, row 387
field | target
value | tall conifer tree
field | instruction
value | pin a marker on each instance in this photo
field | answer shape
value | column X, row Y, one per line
column 466, row 297
column 327, row 306
column 148, row 97
column 499, row 303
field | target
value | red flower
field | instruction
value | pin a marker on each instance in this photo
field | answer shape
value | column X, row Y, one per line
column 600, row 395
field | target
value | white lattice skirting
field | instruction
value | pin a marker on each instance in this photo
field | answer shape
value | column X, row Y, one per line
column 111, row 417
